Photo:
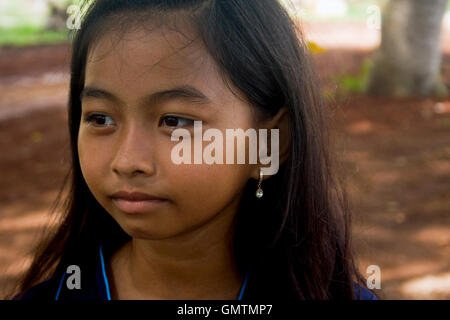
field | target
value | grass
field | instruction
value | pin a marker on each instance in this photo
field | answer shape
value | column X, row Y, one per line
column 30, row 35
column 354, row 84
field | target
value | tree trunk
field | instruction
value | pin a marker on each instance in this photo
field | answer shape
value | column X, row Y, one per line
column 409, row 58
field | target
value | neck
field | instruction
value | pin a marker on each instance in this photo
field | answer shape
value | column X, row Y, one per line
column 199, row 264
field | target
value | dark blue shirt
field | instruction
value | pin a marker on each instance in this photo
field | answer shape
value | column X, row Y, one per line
column 95, row 283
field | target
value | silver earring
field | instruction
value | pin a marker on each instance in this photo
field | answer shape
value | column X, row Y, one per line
column 259, row 192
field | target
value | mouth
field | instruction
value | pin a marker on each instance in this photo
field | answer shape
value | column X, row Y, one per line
column 136, row 202
column 137, row 206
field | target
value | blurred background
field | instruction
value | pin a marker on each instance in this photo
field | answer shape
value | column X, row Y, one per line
column 384, row 67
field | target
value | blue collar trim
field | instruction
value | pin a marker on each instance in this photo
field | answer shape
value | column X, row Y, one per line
column 105, row 278
column 108, row 294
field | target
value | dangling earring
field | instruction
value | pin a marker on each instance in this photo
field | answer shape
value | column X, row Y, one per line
column 259, row 191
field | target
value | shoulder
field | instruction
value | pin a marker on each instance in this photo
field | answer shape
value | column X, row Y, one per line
column 91, row 278
column 364, row 293
column 42, row 291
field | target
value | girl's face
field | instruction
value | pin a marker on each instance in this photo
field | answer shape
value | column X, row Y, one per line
column 138, row 89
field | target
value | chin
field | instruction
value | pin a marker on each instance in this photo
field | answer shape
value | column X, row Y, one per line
column 145, row 233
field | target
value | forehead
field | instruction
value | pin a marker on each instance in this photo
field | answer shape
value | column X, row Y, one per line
column 151, row 59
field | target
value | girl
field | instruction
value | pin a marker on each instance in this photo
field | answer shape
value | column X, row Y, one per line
column 138, row 226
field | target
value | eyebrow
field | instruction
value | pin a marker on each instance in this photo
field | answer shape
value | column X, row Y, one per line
column 186, row 92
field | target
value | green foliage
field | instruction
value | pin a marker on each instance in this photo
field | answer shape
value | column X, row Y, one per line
column 354, row 84
column 30, row 35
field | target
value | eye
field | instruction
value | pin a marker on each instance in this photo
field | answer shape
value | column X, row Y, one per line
column 97, row 119
column 174, row 121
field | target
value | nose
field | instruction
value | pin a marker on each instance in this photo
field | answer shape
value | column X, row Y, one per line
column 133, row 153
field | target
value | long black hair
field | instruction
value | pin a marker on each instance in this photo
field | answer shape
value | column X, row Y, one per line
column 296, row 240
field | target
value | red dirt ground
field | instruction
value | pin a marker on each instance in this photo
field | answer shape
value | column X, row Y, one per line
column 396, row 154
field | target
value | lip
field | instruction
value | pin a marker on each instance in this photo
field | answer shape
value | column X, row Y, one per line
column 136, row 202
column 135, row 196
column 137, row 206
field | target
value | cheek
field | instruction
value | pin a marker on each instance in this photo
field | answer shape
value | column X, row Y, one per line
column 91, row 158
column 206, row 189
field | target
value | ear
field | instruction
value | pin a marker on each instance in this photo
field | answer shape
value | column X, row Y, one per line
column 281, row 122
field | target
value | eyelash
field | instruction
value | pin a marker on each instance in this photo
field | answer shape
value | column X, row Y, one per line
column 90, row 118
column 191, row 121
